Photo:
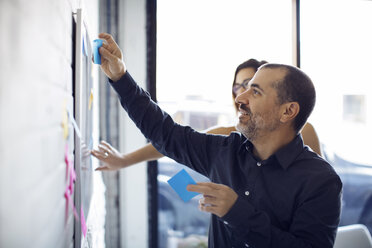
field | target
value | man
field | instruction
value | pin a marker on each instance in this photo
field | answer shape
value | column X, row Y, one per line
column 267, row 189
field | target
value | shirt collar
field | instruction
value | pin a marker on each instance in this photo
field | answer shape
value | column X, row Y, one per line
column 247, row 145
column 288, row 154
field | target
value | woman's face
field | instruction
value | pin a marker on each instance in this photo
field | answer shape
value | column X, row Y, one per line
column 242, row 79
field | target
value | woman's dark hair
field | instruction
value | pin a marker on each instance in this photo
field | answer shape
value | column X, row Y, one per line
column 251, row 63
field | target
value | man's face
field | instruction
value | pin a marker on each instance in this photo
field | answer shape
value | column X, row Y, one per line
column 259, row 108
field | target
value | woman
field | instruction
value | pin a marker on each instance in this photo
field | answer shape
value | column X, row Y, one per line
column 114, row 160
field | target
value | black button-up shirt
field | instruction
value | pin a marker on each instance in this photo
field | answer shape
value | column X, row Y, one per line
column 292, row 199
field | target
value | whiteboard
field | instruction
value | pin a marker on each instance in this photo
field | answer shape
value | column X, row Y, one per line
column 83, row 115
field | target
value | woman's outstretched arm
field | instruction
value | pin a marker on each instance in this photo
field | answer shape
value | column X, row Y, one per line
column 112, row 159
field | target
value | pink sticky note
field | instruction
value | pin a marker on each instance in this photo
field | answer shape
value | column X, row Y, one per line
column 67, row 160
column 71, row 187
column 83, row 224
column 69, row 203
column 67, row 196
column 72, row 180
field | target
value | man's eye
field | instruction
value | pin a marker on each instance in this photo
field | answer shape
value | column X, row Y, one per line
column 255, row 92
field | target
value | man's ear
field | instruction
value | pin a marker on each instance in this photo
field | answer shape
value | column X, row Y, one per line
column 289, row 111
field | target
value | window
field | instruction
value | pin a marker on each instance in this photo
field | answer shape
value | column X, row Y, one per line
column 199, row 45
column 354, row 107
column 336, row 51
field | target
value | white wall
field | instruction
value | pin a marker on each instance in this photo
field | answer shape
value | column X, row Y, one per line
column 35, row 82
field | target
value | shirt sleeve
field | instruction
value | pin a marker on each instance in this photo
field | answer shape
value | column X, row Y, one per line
column 314, row 221
column 180, row 143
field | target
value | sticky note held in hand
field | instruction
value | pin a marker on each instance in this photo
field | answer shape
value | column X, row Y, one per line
column 179, row 183
column 97, row 43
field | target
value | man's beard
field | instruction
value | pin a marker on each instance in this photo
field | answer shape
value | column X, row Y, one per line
column 258, row 124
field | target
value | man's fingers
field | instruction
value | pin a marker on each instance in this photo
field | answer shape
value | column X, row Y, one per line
column 211, row 185
column 107, row 55
column 105, row 45
column 111, row 49
column 102, row 168
column 111, row 44
column 205, row 190
column 207, row 200
column 108, row 37
column 208, row 208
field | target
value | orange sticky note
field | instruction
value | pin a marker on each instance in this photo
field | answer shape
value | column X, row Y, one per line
column 91, row 99
column 65, row 122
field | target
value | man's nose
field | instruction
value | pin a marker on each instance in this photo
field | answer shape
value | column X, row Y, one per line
column 242, row 98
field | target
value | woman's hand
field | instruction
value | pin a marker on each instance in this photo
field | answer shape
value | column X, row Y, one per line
column 111, row 158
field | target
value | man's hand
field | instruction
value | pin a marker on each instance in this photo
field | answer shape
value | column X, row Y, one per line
column 112, row 62
column 217, row 198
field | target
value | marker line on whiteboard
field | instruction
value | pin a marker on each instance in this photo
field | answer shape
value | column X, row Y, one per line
column 77, row 130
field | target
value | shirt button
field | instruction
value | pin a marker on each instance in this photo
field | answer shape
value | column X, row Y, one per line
column 258, row 163
column 226, row 222
column 246, row 193
column 246, row 245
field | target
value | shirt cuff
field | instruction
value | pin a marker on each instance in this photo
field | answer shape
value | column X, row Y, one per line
column 124, row 84
column 238, row 216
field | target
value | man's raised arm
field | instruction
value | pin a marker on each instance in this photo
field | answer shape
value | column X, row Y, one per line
column 180, row 143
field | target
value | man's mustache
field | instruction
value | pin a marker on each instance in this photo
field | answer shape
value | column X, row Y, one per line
column 246, row 109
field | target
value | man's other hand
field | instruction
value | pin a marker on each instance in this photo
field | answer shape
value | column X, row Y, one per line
column 217, row 198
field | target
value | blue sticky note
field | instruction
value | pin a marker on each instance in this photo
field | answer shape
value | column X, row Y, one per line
column 96, row 45
column 179, row 183
column 84, row 47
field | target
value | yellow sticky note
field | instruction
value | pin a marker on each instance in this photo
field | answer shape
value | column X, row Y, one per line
column 91, row 99
column 65, row 122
